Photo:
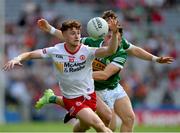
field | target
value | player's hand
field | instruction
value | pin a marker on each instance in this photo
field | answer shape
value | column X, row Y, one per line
column 44, row 25
column 165, row 60
column 11, row 64
column 113, row 25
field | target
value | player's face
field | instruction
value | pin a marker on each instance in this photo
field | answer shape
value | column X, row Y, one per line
column 72, row 36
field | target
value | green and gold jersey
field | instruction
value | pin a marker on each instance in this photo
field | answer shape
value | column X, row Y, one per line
column 118, row 59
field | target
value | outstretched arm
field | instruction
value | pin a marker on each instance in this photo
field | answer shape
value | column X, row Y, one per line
column 142, row 54
column 109, row 70
column 22, row 57
column 113, row 45
column 46, row 27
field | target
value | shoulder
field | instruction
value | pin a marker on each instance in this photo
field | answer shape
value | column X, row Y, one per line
column 83, row 39
column 91, row 41
column 59, row 45
column 124, row 40
column 87, row 49
column 125, row 43
column 83, row 46
column 55, row 48
column 121, row 52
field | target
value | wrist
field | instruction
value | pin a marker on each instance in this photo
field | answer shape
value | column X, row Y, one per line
column 18, row 58
column 115, row 32
column 154, row 58
column 52, row 30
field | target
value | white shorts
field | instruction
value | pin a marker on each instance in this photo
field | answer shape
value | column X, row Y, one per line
column 110, row 96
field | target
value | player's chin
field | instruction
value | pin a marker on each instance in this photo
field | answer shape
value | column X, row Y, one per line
column 76, row 43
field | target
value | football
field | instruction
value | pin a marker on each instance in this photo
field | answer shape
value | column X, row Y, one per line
column 97, row 27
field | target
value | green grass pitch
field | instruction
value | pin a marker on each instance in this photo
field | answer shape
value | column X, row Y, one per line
column 60, row 127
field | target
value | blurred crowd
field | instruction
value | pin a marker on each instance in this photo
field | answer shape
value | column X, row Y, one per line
column 148, row 84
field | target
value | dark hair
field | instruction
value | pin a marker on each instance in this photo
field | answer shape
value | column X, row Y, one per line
column 120, row 29
column 109, row 14
column 69, row 24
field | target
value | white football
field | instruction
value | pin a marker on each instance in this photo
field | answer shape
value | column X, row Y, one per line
column 97, row 27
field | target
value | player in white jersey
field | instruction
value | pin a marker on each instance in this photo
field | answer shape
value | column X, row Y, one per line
column 69, row 65
column 73, row 62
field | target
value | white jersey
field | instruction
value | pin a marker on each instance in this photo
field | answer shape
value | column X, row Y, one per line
column 73, row 70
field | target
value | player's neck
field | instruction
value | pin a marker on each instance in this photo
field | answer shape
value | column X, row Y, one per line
column 72, row 49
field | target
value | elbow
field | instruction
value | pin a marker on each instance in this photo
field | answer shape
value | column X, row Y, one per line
column 133, row 52
column 113, row 51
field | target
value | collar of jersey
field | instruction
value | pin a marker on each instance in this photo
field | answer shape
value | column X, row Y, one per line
column 65, row 47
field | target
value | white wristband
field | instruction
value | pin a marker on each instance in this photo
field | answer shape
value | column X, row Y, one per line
column 154, row 58
column 52, row 30
column 18, row 58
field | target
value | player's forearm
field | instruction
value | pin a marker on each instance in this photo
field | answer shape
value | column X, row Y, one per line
column 108, row 50
column 29, row 55
column 100, row 75
column 113, row 44
column 57, row 33
column 142, row 54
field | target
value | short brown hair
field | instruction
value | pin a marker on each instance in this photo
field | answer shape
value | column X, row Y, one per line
column 69, row 24
column 109, row 14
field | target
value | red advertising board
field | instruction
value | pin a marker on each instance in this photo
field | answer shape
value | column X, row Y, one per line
column 158, row 117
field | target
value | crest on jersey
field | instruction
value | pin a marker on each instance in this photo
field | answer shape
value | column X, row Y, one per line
column 82, row 57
